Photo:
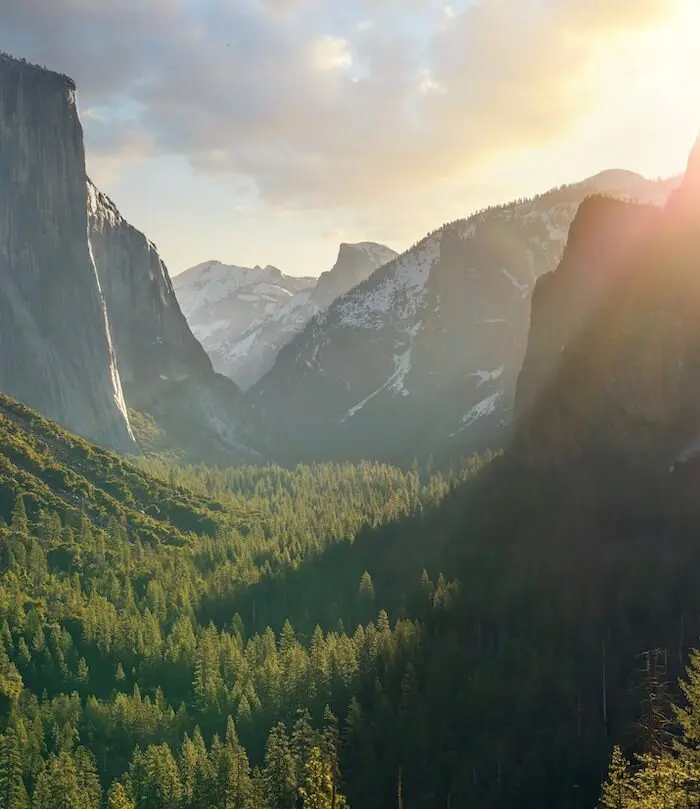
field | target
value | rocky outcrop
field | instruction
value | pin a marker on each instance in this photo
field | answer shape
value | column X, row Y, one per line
column 245, row 316
column 164, row 369
column 355, row 263
column 613, row 361
column 56, row 353
column 424, row 355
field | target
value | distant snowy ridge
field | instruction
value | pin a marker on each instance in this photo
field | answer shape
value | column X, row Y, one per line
column 243, row 316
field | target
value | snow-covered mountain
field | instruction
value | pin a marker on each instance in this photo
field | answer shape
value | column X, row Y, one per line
column 244, row 316
column 424, row 355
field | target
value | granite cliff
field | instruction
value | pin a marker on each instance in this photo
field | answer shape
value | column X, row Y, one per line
column 56, row 349
column 613, row 358
column 92, row 335
column 165, row 372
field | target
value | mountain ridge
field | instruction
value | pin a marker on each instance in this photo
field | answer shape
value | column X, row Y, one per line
column 427, row 350
column 243, row 316
column 167, row 374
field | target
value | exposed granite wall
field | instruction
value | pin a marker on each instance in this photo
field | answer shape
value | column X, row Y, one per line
column 55, row 346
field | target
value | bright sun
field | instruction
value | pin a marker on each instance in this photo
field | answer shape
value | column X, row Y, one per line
column 660, row 74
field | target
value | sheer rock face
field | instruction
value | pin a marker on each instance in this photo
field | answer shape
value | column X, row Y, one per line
column 152, row 340
column 613, row 359
column 164, row 369
column 603, row 240
column 355, row 263
column 86, row 304
column 56, row 351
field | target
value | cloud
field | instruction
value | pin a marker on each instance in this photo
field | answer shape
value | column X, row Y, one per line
column 329, row 53
column 328, row 104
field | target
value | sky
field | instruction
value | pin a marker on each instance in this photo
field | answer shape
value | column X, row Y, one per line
column 269, row 131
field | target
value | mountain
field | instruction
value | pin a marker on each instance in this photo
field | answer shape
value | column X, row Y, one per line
column 613, row 357
column 424, row 355
column 57, row 352
column 92, row 334
column 222, row 301
column 168, row 379
column 354, row 264
column 243, row 317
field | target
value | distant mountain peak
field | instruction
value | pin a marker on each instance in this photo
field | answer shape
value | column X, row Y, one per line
column 615, row 178
column 355, row 263
column 245, row 316
column 687, row 195
column 379, row 252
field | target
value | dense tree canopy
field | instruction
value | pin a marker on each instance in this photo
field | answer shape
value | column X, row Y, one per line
column 332, row 635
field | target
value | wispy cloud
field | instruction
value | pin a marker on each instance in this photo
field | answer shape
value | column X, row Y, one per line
column 324, row 103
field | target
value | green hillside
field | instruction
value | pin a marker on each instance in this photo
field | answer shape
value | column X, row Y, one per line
column 55, row 470
column 165, row 638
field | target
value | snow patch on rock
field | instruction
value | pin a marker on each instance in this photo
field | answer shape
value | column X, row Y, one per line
column 488, row 376
column 400, row 291
column 485, row 407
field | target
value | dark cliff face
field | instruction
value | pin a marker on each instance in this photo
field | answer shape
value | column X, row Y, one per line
column 613, row 360
column 165, row 371
column 56, row 353
column 152, row 340
column 604, row 239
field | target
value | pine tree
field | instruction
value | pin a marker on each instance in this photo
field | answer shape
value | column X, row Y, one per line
column 13, row 794
column 669, row 779
column 117, row 798
column 617, row 793
column 366, row 590
column 20, row 523
column 88, row 779
column 188, row 765
column 303, row 739
column 82, row 672
column 287, row 638
column 280, row 771
column 58, row 785
column 318, row 789
column 232, row 771
column 159, row 779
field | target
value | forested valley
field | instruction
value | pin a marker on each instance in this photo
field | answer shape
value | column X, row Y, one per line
column 331, row 635
column 229, row 608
